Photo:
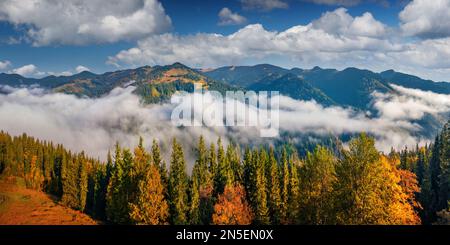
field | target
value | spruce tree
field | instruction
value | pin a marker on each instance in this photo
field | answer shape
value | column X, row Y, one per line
column 117, row 195
column 150, row 206
column 262, row 211
column 274, row 195
column 294, row 189
column 284, row 185
column 178, row 186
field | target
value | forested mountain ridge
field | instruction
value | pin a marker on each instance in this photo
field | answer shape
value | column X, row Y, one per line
column 251, row 186
column 349, row 87
column 153, row 84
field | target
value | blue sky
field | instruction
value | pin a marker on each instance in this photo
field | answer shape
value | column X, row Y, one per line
column 108, row 35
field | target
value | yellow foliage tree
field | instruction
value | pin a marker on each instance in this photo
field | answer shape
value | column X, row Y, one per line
column 34, row 178
column 232, row 207
column 150, row 207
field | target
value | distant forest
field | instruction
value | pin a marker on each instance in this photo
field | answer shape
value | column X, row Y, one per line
column 229, row 185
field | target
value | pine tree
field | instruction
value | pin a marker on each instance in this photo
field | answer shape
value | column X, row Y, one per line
column 178, row 186
column 194, row 203
column 293, row 189
column 117, row 210
column 444, row 161
column 274, row 195
column 150, row 206
column 201, row 199
column 223, row 176
column 284, row 186
column 261, row 211
column 158, row 161
column 82, row 181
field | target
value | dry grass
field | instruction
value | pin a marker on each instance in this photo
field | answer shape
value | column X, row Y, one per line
column 21, row 206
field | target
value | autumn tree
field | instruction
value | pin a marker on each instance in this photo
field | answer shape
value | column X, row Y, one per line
column 150, row 206
column 317, row 177
column 34, row 178
column 232, row 207
column 368, row 188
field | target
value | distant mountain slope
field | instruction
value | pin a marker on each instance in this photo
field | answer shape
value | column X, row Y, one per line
column 244, row 75
column 411, row 81
column 350, row 87
column 153, row 84
column 293, row 86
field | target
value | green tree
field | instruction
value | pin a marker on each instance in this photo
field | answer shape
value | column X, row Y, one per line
column 284, row 185
column 178, row 186
column 261, row 210
column 274, row 194
column 317, row 177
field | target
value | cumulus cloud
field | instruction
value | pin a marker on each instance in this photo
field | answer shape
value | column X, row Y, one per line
column 96, row 124
column 226, row 17
column 81, row 68
column 426, row 19
column 4, row 65
column 85, row 21
column 264, row 5
column 27, row 70
column 305, row 43
column 339, row 22
column 336, row 39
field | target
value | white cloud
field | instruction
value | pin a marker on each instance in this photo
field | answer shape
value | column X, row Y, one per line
column 95, row 125
column 426, row 19
column 63, row 73
column 308, row 44
column 410, row 104
column 81, row 68
column 27, row 70
column 336, row 40
column 85, row 21
column 341, row 23
column 226, row 17
column 4, row 64
column 264, row 5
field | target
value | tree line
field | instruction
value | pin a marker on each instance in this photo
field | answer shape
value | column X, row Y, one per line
column 356, row 184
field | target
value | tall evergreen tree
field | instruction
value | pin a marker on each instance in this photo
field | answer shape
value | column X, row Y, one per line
column 274, row 193
column 150, row 206
column 261, row 211
column 284, row 185
column 294, row 189
column 178, row 186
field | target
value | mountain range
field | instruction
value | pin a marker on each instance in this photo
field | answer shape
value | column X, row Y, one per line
column 349, row 87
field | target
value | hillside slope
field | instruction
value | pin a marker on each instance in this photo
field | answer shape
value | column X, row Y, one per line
column 21, row 206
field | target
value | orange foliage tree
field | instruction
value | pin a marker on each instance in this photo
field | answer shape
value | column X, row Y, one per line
column 232, row 207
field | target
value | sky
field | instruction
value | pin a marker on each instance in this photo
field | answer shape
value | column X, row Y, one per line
column 47, row 37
